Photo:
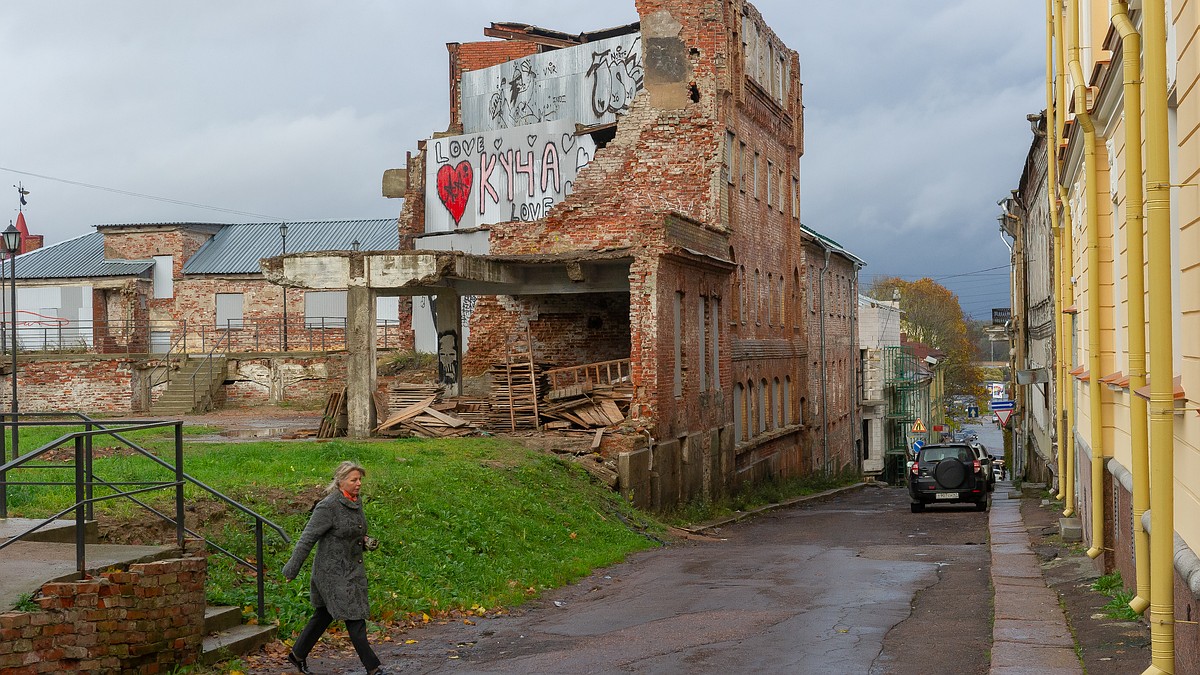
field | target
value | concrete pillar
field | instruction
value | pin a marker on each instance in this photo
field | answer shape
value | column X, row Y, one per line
column 447, row 321
column 360, row 362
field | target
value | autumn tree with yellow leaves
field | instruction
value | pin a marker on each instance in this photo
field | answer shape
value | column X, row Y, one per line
column 931, row 314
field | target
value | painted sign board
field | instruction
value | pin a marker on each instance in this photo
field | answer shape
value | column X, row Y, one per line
column 589, row 83
column 1001, row 405
column 918, row 427
column 1003, row 416
column 499, row 176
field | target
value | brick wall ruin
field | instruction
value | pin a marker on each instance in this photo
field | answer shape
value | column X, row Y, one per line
column 148, row 619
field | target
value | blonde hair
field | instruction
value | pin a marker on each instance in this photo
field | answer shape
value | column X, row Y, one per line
column 341, row 473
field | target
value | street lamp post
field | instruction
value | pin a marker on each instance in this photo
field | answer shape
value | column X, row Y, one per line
column 12, row 243
column 283, row 229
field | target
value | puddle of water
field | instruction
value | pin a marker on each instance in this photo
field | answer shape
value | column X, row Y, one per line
column 263, row 432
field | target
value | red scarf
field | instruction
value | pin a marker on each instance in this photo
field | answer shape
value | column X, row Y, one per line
column 347, row 496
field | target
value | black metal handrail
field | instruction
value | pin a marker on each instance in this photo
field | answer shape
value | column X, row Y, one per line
column 85, row 481
column 208, row 362
column 176, row 351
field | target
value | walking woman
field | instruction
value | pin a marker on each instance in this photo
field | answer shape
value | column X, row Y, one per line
column 338, row 590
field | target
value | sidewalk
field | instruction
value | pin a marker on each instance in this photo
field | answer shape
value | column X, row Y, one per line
column 1030, row 633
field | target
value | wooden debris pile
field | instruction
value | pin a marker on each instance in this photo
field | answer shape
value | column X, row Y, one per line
column 419, row 413
column 333, row 418
column 590, row 396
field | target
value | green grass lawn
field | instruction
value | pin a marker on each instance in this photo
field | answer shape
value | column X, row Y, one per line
column 463, row 523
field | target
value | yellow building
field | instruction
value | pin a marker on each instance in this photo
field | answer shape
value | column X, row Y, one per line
column 1122, row 191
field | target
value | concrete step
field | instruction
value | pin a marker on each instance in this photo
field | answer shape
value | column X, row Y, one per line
column 236, row 641
column 221, row 618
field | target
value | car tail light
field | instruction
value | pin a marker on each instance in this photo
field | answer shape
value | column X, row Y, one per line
column 977, row 466
column 916, row 468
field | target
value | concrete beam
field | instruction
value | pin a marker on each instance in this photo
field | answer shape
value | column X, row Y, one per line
column 360, row 362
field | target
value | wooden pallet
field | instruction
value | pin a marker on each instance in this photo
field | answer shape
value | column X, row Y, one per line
column 334, row 420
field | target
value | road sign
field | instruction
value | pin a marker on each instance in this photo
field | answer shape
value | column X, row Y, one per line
column 917, row 445
column 1001, row 405
column 1003, row 416
column 918, row 427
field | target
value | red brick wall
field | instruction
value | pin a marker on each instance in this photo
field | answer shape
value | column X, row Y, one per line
column 77, row 383
column 299, row 380
column 567, row 330
column 149, row 619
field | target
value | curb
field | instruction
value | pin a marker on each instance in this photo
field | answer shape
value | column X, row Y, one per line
column 701, row 529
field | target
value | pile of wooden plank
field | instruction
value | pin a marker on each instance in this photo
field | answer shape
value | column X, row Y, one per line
column 333, row 418
column 601, row 406
column 402, row 394
column 425, row 420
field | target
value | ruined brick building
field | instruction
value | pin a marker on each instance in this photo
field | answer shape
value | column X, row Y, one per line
column 632, row 193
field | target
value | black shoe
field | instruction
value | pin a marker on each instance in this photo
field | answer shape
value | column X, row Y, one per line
column 378, row 671
column 300, row 664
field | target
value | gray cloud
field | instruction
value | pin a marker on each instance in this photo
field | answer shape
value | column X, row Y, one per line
column 914, row 112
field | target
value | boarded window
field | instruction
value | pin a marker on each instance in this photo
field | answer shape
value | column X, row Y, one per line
column 229, row 311
column 678, row 387
column 702, row 349
column 324, row 309
column 716, row 340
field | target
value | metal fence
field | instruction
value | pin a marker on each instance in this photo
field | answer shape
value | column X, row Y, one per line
column 267, row 334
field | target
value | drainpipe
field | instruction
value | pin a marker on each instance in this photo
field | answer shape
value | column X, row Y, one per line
column 1162, row 405
column 1052, row 197
column 1068, row 244
column 1131, row 52
column 1083, row 114
column 824, row 378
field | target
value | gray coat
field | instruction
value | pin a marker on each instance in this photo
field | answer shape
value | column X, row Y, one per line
column 339, row 578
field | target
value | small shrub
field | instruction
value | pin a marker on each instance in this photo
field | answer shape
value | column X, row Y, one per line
column 1108, row 584
column 26, row 604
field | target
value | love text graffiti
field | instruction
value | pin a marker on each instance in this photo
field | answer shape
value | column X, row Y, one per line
column 516, row 174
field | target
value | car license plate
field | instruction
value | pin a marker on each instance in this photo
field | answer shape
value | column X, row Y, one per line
column 946, row 495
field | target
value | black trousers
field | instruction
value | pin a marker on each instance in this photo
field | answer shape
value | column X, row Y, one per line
column 357, row 628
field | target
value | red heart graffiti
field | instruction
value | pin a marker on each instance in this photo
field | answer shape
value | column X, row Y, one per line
column 454, row 188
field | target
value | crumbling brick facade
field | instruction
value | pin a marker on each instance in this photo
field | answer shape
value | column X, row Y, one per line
column 699, row 183
column 149, row 619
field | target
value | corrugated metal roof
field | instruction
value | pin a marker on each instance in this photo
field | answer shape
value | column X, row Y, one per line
column 236, row 249
column 78, row 258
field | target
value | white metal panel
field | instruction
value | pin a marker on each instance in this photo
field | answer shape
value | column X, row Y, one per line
column 501, row 176
column 164, row 276
column 589, row 83
column 324, row 309
column 229, row 310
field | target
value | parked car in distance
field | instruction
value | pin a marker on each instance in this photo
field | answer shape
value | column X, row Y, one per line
column 947, row 473
column 986, row 464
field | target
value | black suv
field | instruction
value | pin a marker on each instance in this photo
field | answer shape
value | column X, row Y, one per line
column 947, row 473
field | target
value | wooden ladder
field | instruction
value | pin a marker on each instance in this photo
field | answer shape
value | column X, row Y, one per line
column 521, row 381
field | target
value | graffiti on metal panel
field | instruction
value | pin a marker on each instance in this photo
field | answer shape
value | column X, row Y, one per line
column 468, row 307
column 454, row 188
column 616, row 75
column 448, row 357
column 510, row 175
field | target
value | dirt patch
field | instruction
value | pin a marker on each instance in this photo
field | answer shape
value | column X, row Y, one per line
column 1108, row 645
column 67, row 453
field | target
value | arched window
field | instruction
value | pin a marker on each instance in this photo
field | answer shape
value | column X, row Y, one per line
column 739, row 413
column 789, row 418
column 777, row 399
column 764, row 405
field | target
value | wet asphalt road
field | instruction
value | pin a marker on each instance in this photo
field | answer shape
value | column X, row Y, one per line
column 854, row 584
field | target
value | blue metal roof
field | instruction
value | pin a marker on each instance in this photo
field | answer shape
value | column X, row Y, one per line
column 236, row 249
column 78, row 258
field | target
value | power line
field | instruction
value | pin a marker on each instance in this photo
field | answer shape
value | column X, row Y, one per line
column 140, row 195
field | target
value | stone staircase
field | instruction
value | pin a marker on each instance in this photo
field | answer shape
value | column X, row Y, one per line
column 227, row 636
column 180, row 398
column 49, row 556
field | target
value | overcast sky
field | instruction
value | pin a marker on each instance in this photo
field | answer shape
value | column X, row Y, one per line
column 292, row 109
